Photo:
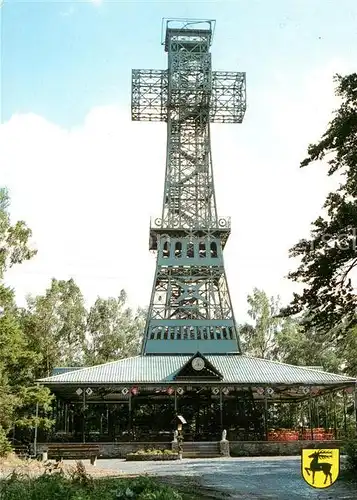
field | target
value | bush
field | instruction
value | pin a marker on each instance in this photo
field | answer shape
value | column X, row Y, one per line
column 350, row 448
column 58, row 487
column 5, row 446
column 153, row 451
column 142, row 455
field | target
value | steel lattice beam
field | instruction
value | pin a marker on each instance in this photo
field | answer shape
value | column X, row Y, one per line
column 227, row 98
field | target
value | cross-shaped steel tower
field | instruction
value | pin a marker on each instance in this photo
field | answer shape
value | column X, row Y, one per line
column 190, row 309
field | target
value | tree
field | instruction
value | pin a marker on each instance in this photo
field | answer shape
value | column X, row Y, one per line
column 259, row 339
column 287, row 340
column 18, row 394
column 297, row 344
column 55, row 325
column 14, row 247
column 329, row 257
column 113, row 330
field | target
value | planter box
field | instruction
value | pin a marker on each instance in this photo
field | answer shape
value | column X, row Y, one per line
column 131, row 457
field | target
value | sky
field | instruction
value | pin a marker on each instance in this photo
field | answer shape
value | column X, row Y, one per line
column 87, row 180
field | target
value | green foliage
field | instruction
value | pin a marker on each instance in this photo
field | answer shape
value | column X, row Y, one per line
column 114, row 331
column 58, row 487
column 350, row 448
column 55, row 325
column 259, row 340
column 18, row 362
column 153, row 451
column 287, row 340
column 329, row 257
column 13, row 238
column 5, row 446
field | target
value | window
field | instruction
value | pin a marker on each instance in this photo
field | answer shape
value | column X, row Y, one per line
column 190, row 250
column 214, row 249
column 202, row 249
column 166, row 250
column 178, row 249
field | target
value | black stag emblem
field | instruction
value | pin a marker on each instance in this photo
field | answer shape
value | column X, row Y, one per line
column 316, row 466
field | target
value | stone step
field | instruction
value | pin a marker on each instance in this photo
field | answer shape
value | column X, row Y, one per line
column 192, row 454
column 192, row 449
column 195, row 445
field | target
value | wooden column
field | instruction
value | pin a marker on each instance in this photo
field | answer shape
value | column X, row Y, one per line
column 345, row 413
column 84, row 416
column 310, row 418
column 221, row 408
column 265, row 417
column 130, row 416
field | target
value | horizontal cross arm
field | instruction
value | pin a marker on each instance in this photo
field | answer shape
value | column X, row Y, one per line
column 228, row 98
column 149, row 95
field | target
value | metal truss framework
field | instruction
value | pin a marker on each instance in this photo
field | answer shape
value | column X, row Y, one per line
column 190, row 303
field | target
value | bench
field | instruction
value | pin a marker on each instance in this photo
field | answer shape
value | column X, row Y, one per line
column 73, row 451
column 21, row 450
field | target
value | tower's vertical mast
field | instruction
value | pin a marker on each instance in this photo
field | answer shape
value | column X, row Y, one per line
column 189, row 194
column 190, row 308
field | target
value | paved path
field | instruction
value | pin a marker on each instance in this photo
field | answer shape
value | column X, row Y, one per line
column 273, row 478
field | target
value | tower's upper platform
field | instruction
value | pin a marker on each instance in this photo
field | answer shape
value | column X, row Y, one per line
column 187, row 31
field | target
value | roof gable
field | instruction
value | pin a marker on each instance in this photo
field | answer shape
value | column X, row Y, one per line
column 203, row 370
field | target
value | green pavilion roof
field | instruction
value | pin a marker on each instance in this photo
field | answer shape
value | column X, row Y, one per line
column 235, row 368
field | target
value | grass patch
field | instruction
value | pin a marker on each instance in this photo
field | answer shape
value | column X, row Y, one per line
column 81, row 486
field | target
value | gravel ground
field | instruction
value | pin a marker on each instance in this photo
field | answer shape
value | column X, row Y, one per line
column 259, row 478
column 273, row 478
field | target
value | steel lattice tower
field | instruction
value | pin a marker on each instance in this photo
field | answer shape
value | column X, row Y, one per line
column 190, row 308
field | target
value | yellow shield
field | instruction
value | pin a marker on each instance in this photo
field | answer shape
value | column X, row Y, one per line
column 320, row 467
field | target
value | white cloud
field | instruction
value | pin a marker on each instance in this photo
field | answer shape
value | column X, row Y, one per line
column 88, row 192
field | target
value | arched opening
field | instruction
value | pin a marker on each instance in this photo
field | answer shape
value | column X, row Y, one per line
column 166, row 250
column 213, row 249
column 190, row 250
column 202, row 249
column 178, row 249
